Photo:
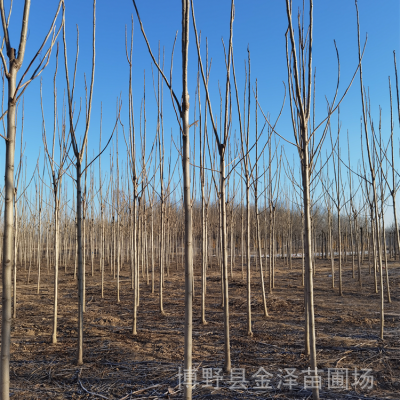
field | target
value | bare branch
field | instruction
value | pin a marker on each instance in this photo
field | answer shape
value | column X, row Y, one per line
column 154, row 60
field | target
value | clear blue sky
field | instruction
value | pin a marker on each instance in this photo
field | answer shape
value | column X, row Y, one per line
column 261, row 25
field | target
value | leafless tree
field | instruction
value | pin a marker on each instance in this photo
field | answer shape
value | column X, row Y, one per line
column 79, row 152
column 221, row 148
column 15, row 91
column 183, row 119
column 299, row 67
column 57, row 172
column 370, row 154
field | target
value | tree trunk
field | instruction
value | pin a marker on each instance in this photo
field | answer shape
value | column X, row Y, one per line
column 340, row 252
column 56, row 240
column 15, row 258
column 308, row 260
column 248, row 262
column 134, row 262
column 80, row 261
column 8, row 236
column 227, row 366
column 187, row 202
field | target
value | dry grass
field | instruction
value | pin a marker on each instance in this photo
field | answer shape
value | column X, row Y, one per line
column 120, row 366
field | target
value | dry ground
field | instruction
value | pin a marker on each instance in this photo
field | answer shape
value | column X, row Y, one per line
column 120, row 366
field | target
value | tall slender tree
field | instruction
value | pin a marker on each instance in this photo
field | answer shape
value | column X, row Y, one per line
column 183, row 119
column 79, row 153
column 15, row 91
column 57, row 171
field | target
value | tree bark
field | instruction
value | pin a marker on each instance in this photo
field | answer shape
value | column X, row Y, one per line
column 187, row 201
column 80, row 261
column 8, row 236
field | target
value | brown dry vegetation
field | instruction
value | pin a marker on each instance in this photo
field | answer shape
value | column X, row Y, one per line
column 120, row 366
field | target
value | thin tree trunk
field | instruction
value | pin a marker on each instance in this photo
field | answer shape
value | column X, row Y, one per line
column 15, row 258
column 56, row 240
column 80, row 262
column 187, row 201
column 308, row 260
column 8, row 256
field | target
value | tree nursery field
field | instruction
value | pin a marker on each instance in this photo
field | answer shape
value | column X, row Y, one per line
column 271, row 364
column 199, row 199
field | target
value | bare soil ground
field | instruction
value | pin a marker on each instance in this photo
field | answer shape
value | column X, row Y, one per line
column 121, row 366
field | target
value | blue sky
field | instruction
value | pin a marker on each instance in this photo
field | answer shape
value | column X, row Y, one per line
column 261, row 25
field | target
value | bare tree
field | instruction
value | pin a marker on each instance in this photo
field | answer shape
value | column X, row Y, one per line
column 57, row 172
column 221, row 148
column 131, row 146
column 15, row 61
column 300, row 93
column 79, row 152
column 183, row 113
column 247, row 172
column 393, row 189
column 374, row 204
column 258, row 233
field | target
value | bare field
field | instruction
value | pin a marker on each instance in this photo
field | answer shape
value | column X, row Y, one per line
column 121, row 366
